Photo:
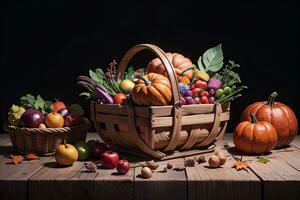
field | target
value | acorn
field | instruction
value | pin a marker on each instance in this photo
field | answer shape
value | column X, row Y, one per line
column 146, row 172
column 214, row 161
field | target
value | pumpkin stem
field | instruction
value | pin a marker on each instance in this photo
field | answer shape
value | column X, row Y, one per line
column 271, row 99
column 147, row 82
column 187, row 69
column 253, row 118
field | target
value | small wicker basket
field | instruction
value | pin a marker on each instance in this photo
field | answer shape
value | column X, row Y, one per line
column 44, row 141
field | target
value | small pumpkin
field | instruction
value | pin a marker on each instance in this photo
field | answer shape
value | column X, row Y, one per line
column 255, row 137
column 278, row 114
column 179, row 62
column 152, row 89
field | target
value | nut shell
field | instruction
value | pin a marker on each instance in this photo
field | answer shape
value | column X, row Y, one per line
column 222, row 157
column 214, row 161
column 146, row 172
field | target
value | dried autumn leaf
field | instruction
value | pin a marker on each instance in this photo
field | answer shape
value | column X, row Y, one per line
column 239, row 165
column 16, row 159
column 263, row 159
column 31, row 156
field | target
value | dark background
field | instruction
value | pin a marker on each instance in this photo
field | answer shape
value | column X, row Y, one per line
column 44, row 47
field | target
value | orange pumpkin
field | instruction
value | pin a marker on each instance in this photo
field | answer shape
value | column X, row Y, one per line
column 278, row 114
column 152, row 89
column 255, row 137
column 179, row 62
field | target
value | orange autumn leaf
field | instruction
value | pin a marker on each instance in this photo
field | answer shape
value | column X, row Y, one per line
column 239, row 165
column 31, row 156
column 16, row 159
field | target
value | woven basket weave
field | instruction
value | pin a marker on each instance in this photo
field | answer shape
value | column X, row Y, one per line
column 44, row 141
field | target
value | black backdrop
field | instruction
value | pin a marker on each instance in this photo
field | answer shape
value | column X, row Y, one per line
column 44, row 47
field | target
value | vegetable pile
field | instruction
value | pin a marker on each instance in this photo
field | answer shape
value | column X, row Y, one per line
column 35, row 112
column 208, row 82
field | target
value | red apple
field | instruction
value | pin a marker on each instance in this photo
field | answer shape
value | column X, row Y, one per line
column 123, row 167
column 72, row 119
column 98, row 149
column 109, row 159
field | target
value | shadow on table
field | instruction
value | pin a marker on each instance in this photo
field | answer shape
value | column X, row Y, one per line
column 6, row 150
column 236, row 152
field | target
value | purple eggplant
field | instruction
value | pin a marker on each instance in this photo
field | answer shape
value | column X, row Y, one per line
column 105, row 97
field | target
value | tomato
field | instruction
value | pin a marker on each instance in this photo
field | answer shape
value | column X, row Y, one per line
column 58, row 105
column 201, row 84
column 54, row 120
column 204, row 94
column 66, row 154
column 119, row 98
column 204, row 100
column 196, row 90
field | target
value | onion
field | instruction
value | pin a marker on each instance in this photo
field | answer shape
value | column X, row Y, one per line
column 211, row 99
column 214, row 83
column 189, row 100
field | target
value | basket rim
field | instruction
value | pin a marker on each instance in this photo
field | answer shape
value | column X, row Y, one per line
column 85, row 125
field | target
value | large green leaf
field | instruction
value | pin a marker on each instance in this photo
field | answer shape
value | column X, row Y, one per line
column 212, row 59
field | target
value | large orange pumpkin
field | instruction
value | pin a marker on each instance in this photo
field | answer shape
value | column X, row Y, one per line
column 179, row 62
column 278, row 114
column 255, row 137
column 152, row 89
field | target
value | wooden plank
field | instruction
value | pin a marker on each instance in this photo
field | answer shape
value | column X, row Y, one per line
column 13, row 178
column 153, row 111
column 53, row 182
column 296, row 142
column 187, row 120
column 222, row 183
column 170, row 185
column 281, row 174
column 118, row 119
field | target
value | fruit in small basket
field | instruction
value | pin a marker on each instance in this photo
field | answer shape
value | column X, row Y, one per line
column 64, row 112
column 109, row 159
column 15, row 114
column 98, row 148
column 32, row 118
column 66, row 154
column 83, row 150
column 152, row 89
column 278, row 114
column 73, row 119
column 119, row 98
column 58, row 105
column 255, row 137
column 54, row 120
column 126, row 86
column 123, row 167
column 179, row 62
column 42, row 126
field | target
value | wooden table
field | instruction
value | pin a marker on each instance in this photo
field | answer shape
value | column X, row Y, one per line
column 43, row 179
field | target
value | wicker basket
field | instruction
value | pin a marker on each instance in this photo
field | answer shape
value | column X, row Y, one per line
column 44, row 141
column 163, row 132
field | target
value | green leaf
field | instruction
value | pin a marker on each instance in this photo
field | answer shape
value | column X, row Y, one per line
column 212, row 60
column 263, row 159
column 87, row 94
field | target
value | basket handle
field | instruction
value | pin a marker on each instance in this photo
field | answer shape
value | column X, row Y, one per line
column 177, row 113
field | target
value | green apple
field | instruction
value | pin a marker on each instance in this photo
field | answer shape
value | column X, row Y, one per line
column 83, row 150
column 126, row 86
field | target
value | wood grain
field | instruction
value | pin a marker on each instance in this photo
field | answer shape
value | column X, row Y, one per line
column 170, row 185
column 42, row 179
